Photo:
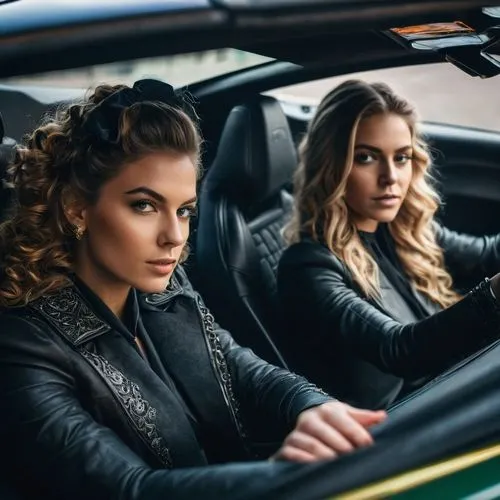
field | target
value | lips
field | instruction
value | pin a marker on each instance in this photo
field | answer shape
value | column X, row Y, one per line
column 161, row 262
column 387, row 197
column 162, row 267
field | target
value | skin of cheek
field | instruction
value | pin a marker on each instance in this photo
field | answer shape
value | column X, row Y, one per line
column 361, row 185
column 383, row 137
column 360, row 189
column 120, row 242
column 120, row 238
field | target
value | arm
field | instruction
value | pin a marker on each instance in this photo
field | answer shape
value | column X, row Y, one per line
column 310, row 272
column 60, row 451
column 275, row 402
column 263, row 389
column 266, row 390
column 469, row 256
column 319, row 427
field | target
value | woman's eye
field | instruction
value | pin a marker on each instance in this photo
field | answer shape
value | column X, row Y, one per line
column 364, row 158
column 187, row 212
column 143, row 206
column 402, row 159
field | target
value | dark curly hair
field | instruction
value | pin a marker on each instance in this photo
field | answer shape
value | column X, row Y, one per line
column 64, row 158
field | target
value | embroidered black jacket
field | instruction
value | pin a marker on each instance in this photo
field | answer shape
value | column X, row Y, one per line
column 88, row 417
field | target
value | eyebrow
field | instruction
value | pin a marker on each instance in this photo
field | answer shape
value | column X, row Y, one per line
column 157, row 196
column 377, row 150
column 190, row 202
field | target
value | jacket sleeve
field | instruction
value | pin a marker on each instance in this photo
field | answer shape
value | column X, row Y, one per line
column 312, row 284
column 52, row 446
column 469, row 257
column 271, row 398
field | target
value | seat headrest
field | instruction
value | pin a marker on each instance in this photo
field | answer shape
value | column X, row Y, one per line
column 256, row 156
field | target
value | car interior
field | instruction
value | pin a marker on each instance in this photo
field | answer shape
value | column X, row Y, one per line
column 250, row 156
column 244, row 204
column 246, row 191
column 7, row 147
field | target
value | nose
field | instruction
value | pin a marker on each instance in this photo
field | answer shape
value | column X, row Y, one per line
column 172, row 232
column 389, row 173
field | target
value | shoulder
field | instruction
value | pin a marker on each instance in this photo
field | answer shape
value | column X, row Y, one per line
column 440, row 233
column 449, row 239
column 64, row 317
column 16, row 319
column 310, row 265
column 23, row 333
column 452, row 242
column 309, row 252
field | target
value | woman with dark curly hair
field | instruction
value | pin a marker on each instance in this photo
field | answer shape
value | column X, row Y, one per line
column 114, row 378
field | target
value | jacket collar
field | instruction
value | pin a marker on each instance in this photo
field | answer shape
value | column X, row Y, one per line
column 158, row 300
column 75, row 319
column 377, row 301
column 70, row 314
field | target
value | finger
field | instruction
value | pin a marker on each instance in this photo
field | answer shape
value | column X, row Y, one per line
column 291, row 454
column 326, row 434
column 366, row 418
column 310, row 444
column 350, row 428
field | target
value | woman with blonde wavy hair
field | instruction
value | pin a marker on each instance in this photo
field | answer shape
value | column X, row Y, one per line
column 367, row 285
column 115, row 380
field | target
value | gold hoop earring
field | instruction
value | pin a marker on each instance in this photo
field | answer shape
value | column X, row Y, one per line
column 78, row 232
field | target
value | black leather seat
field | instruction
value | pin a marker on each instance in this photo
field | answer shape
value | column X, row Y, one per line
column 245, row 201
column 7, row 148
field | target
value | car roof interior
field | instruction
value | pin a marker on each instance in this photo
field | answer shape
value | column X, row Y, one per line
column 309, row 32
column 313, row 39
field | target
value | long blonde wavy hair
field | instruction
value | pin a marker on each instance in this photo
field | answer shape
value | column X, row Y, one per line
column 326, row 158
column 62, row 161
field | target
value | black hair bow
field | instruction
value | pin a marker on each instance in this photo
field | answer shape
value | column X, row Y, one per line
column 102, row 121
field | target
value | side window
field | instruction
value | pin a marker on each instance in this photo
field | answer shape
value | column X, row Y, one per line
column 441, row 93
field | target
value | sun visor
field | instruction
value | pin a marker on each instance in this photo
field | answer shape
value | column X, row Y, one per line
column 472, row 46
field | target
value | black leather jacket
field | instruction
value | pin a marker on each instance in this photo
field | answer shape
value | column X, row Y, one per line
column 369, row 352
column 85, row 417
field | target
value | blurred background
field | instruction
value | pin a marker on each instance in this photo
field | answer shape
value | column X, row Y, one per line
column 440, row 92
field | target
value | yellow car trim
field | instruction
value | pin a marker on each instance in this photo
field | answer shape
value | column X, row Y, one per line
column 420, row 476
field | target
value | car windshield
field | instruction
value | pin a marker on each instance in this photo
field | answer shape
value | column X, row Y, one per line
column 178, row 70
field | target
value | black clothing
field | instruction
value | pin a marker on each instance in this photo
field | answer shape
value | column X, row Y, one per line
column 132, row 327
column 381, row 247
column 89, row 417
column 362, row 350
